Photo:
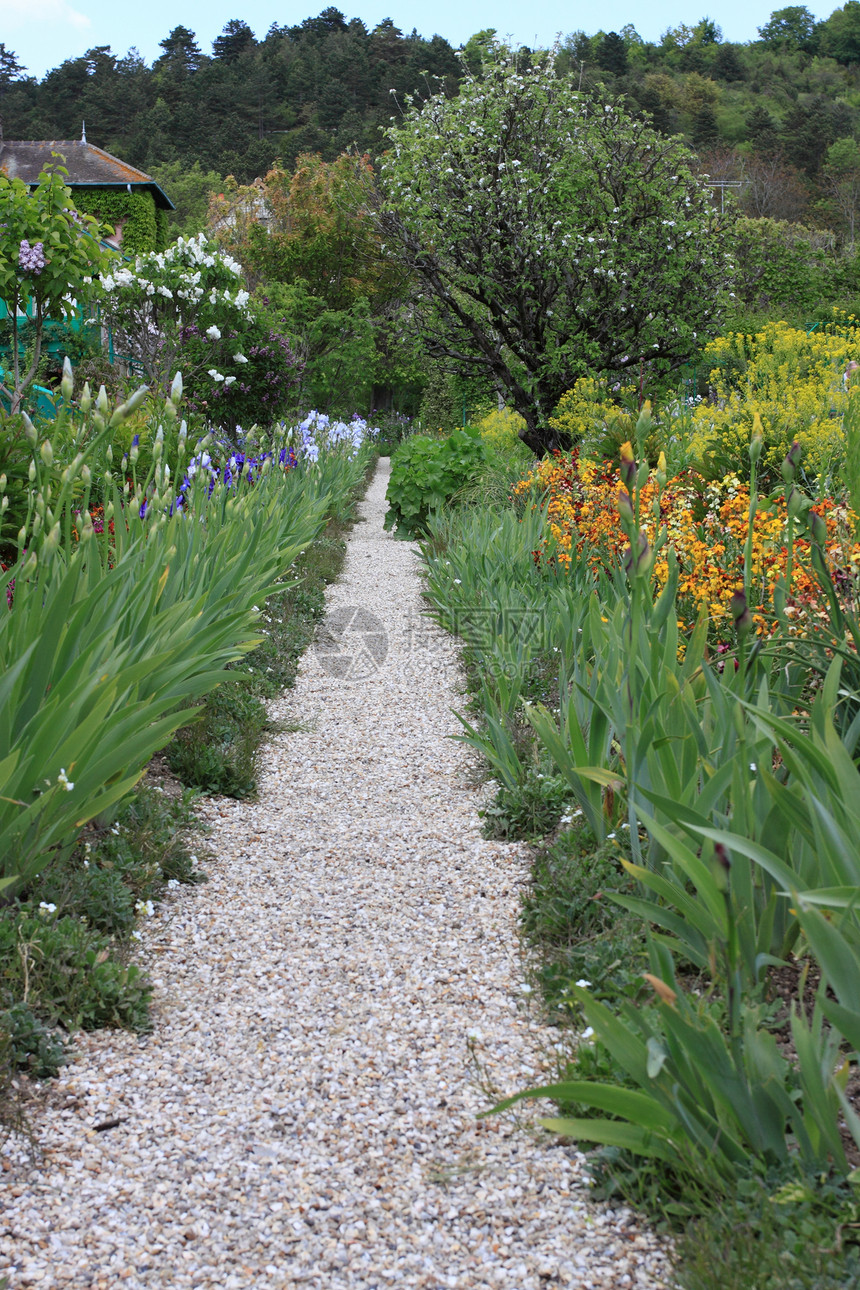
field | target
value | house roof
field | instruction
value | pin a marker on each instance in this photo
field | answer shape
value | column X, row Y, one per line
column 88, row 166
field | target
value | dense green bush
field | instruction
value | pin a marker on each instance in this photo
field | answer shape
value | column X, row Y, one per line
column 426, row 473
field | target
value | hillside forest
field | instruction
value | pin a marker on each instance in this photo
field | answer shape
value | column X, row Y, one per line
column 782, row 112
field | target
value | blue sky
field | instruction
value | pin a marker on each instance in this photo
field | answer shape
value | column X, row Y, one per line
column 43, row 33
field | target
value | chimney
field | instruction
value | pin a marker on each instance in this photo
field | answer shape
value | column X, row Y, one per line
column 83, row 132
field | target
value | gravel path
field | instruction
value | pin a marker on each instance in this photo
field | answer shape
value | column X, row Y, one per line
column 304, row 1112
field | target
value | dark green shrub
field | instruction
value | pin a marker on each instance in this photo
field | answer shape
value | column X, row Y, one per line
column 218, row 753
column 531, row 810
column 781, row 1233
column 101, row 896
column 29, row 1045
column 64, row 969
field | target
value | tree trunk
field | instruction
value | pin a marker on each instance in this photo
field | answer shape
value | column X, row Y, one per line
column 542, row 439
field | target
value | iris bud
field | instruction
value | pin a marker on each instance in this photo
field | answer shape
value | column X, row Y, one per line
column 788, row 469
column 628, row 465
column 739, row 610
column 67, row 384
column 817, row 528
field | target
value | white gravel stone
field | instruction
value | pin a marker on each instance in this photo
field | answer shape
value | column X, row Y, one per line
column 303, row 1113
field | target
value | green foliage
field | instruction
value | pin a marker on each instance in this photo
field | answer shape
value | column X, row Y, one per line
column 336, row 347
column 786, row 1232
column 64, row 970
column 793, row 27
column 110, row 634
column 218, row 753
column 427, row 473
column 530, row 809
column 577, row 932
column 15, row 458
column 438, row 408
column 136, row 212
column 28, row 1044
column 783, row 265
column 190, row 188
column 309, row 243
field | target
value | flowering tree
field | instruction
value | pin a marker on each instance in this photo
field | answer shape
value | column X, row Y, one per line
column 186, row 309
column 551, row 235
column 48, row 253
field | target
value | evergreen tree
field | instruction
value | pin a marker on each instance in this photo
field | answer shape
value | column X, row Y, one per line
column 235, row 39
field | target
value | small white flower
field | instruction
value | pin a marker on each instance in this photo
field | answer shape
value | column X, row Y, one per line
column 474, row 1036
column 172, row 884
column 144, row 908
column 216, row 376
column 583, row 984
column 213, row 332
column 63, row 779
column 136, row 936
column 587, row 1033
column 46, row 908
column 458, row 582
column 115, row 830
column 239, row 358
column 525, row 988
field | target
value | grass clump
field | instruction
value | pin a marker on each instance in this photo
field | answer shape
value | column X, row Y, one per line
column 776, row 1233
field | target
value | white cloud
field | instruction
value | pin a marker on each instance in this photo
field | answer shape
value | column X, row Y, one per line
column 24, row 13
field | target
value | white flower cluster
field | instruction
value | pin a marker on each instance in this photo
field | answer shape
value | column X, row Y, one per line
column 180, row 274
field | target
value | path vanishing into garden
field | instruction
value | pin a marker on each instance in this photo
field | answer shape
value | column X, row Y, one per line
column 303, row 1113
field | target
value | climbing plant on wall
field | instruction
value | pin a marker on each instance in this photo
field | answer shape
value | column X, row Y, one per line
column 142, row 230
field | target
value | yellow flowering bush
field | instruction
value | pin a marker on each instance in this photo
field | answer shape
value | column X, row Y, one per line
column 584, row 409
column 500, row 430
column 794, row 380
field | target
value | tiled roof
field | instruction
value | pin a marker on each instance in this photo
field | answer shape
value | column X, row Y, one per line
column 87, row 165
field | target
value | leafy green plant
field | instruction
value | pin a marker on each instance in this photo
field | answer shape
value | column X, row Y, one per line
column 426, row 473
column 218, row 753
column 782, row 1232
column 64, row 971
column 98, row 894
column 29, row 1044
column 532, row 808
